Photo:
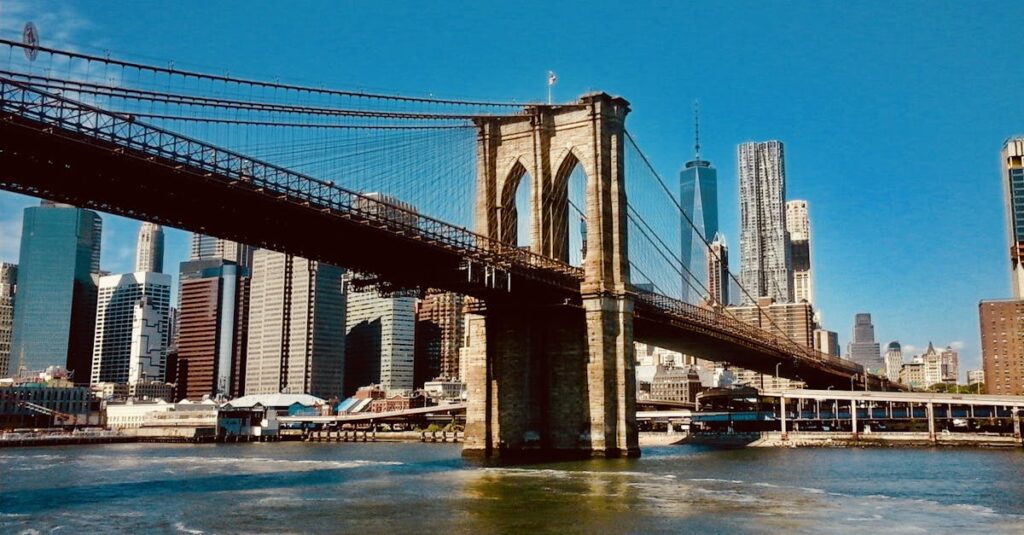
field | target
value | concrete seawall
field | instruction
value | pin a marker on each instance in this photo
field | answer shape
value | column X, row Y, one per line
column 815, row 439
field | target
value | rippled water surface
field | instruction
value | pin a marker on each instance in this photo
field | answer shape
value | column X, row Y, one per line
column 428, row 488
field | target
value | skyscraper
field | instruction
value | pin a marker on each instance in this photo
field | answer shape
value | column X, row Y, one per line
column 132, row 328
column 149, row 250
column 438, row 337
column 826, row 341
column 213, row 308
column 798, row 225
column 1013, row 189
column 1002, row 346
column 205, row 247
column 296, row 341
column 950, row 362
column 863, row 349
column 766, row 268
column 718, row 271
column 794, row 321
column 56, row 310
column 698, row 193
column 8, row 284
column 380, row 347
column 893, row 361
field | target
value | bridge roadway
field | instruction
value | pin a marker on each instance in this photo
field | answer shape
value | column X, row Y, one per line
column 55, row 148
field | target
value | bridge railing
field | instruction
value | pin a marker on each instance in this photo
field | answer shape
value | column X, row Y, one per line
column 124, row 132
column 721, row 321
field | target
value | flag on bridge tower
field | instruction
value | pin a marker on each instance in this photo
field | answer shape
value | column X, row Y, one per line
column 551, row 81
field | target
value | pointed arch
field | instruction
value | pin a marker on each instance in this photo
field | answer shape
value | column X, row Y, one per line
column 515, row 221
column 568, row 210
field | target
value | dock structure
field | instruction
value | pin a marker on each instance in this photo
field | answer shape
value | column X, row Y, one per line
column 810, row 416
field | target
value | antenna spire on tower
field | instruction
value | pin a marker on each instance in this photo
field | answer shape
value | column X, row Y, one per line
column 696, row 129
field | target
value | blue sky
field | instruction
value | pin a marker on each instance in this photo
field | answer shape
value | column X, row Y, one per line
column 893, row 114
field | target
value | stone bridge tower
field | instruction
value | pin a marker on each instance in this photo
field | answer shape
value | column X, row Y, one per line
column 555, row 379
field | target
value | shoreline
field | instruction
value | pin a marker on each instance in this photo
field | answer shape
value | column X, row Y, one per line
column 769, row 439
column 824, row 439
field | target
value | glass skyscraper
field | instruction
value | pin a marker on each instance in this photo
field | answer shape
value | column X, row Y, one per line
column 698, row 193
column 56, row 309
column 1013, row 187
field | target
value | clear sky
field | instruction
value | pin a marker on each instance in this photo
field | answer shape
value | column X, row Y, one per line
column 893, row 113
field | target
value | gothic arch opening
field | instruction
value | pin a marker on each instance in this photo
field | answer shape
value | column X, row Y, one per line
column 515, row 223
column 569, row 211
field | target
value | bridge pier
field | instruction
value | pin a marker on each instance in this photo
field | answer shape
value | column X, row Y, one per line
column 551, row 377
column 538, row 389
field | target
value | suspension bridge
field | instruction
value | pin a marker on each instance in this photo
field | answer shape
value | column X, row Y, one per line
column 549, row 216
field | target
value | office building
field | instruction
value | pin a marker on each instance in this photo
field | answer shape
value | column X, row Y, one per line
column 1002, row 346
column 790, row 321
column 296, row 342
column 1012, row 157
column 718, row 271
column 893, row 361
column 8, row 285
column 950, row 361
column 794, row 321
column 650, row 355
column 765, row 262
column 132, row 328
column 932, row 361
column 213, row 314
column 798, row 225
column 438, row 337
column 975, row 377
column 912, row 374
column 698, row 194
column 826, row 341
column 56, row 312
column 205, row 247
column 380, row 332
column 863, row 349
column 149, row 250
column 675, row 384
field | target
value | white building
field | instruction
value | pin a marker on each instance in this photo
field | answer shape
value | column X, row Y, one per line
column 380, row 333
column 296, row 344
column 444, row 389
column 149, row 251
column 798, row 225
column 893, row 361
column 8, row 283
column 649, row 355
column 132, row 327
column 975, row 377
column 766, row 268
column 932, row 361
column 132, row 414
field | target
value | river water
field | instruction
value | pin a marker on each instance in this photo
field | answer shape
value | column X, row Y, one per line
column 428, row 488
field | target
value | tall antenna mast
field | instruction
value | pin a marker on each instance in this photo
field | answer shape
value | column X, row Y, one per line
column 696, row 129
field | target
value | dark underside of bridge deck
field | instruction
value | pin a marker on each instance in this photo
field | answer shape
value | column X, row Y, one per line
column 651, row 327
column 68, row 167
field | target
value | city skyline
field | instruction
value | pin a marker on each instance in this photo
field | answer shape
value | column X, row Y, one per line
column 817, row 170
